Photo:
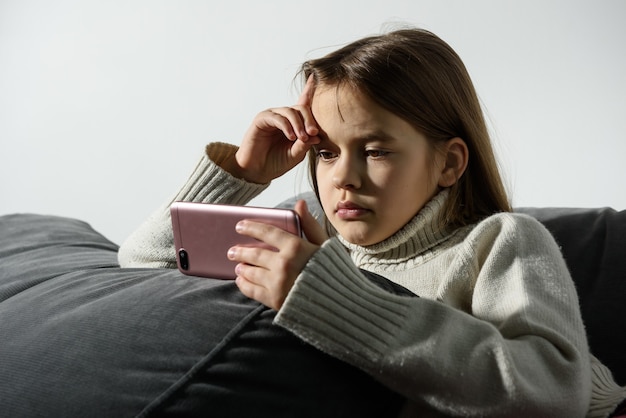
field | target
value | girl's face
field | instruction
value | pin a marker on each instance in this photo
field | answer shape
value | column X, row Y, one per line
column 374, row 170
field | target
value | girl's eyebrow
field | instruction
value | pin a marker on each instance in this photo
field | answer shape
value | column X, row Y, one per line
column 377, row 135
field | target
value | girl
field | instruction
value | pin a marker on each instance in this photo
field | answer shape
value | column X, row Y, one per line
column 402, row 165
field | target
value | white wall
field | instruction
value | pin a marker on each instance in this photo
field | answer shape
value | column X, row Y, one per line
column 105, row 106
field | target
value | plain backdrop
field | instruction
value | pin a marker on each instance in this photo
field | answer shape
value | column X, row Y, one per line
column 105, row 106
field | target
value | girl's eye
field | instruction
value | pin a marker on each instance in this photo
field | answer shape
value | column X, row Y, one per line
column 375, row 153
column 326, row 155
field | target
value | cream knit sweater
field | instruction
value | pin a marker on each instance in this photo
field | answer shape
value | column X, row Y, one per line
column 496, row 329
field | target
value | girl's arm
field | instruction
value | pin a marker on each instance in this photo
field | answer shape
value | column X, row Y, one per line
column 152, row 244
column 276, row 141
column 519, row 349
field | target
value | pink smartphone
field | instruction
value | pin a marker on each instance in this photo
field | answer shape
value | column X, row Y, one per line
column 204, row 232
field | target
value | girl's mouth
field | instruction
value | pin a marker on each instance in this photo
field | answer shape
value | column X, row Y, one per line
column 349, row 210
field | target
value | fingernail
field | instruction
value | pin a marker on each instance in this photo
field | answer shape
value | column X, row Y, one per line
column 231, row 253
column 239, row 227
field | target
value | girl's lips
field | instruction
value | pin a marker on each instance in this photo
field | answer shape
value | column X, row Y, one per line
column 349, row 210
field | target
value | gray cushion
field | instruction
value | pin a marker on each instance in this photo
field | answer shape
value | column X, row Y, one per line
column 82, row 337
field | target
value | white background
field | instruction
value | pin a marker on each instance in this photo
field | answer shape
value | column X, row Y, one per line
column 105, row 106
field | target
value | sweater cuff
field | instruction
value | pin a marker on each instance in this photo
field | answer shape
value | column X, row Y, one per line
column 218, row 152
column 334, row 307
column 606, row 396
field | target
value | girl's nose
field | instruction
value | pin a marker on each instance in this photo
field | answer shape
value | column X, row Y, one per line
column 346, row 174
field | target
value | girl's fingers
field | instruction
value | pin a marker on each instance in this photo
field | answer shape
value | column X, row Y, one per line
column 310, row 124
column 306, row 97
column 251, row 289
column 300, row 148
column 250, row 273
column 267, row 275
column 300, row 115
column 302, row 121
column 264, row 232
column 268, row 297
column 295, row 119
column 276, row 119
column 262, row 285
column 292, row 251
column 291, row 122
column 248, row 257
column 302, row 124
column 304, row 104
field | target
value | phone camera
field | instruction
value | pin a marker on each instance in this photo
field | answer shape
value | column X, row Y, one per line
column 183, row 259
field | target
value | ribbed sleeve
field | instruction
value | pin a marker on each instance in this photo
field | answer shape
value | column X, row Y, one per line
column 346, row 312
column 606, row 395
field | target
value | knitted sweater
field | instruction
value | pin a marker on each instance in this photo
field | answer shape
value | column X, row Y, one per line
column 496, row 329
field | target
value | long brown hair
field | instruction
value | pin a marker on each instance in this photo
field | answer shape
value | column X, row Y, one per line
column 420, row 78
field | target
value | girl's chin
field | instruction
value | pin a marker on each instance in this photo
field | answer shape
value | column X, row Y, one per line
column 356, row 238
column 356, row 232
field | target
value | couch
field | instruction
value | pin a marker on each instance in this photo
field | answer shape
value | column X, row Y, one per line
column 80, row 336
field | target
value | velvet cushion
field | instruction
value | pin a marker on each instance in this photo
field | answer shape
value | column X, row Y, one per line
column 82, row 337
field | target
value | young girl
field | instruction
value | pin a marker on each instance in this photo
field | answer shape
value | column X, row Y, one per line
column 401, row 162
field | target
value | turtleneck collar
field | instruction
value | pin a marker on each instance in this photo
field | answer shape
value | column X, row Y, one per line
column 421, row 233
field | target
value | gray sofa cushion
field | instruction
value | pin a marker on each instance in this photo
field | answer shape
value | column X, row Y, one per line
column 82, row 337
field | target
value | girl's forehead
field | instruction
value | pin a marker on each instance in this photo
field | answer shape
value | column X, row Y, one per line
column 345, row 102
column 344, row 113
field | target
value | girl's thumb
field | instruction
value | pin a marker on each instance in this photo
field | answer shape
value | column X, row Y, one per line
column 311, row 228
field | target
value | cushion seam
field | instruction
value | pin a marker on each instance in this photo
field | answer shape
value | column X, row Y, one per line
column 185, row 378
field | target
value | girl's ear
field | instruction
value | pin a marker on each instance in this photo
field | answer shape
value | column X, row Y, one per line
column 456, row 158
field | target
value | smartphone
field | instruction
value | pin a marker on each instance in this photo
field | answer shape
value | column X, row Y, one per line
column 204, row 232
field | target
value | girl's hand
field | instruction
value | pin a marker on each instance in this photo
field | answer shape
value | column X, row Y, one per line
column 267, row 276
column 277, row 141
